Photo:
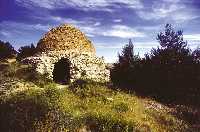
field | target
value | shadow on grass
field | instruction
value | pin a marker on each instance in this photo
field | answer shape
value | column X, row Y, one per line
column 185, row 106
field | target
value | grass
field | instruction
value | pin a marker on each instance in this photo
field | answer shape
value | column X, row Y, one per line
column 77, row 107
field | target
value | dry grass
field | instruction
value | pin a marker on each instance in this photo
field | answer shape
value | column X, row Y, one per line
column 89, row 106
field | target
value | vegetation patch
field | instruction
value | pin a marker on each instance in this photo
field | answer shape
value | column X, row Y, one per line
column 98, row 109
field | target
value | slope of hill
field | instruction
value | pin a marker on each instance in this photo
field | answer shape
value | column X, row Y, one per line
column 31, row 103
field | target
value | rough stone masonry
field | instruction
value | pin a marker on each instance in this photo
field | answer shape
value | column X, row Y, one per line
column 70, row 43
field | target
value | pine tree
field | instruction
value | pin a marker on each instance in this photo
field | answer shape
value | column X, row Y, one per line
column 6, row 50
column 121, row 74
column 171, row 39
column 26, row 51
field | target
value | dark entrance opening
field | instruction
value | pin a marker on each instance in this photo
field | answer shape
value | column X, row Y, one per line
column 61, row 72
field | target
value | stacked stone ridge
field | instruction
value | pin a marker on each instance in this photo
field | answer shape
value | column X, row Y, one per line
column 68, row 42
column 65, row 37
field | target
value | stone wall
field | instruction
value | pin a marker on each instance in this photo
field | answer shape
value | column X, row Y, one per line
column 82, row 65
column 65, row 37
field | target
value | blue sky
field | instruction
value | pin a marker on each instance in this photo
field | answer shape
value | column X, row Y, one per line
column 108, row 23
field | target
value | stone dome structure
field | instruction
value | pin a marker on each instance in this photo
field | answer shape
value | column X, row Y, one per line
column 65, row 37
column 65, row 54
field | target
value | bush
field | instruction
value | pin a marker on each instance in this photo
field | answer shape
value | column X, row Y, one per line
column 6, row 50
column 26, row 51
column 121, row 73
column 170, row 72
column 33, row 110
column 121, row 107
column 101, row 109
column 196, row 54
column 23, row 72
column 49, row 109
column 173, row 72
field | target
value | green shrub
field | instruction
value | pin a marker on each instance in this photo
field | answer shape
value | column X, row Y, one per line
column 123, row 71
column 29, row 74
column 121, row 107
column 26, row 51
column 20, row 111
column 169, row 73
column 88, row 105
column 23, row 72
column 31, row 109
column 6, row 50
column 106, row 123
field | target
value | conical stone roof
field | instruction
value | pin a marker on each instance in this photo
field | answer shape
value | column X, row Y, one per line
column 65, row 37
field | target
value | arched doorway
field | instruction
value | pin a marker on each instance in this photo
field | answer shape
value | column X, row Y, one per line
column 61, row 72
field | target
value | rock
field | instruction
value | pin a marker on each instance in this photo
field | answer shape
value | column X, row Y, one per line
column 68, row 42
column 65, row 37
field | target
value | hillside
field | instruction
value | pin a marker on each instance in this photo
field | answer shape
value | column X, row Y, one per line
column 31, row 103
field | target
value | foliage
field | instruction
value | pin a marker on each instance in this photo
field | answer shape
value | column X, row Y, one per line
column 171, row 39
column 169, row 73
column 196, row 54
column 82, row 105
column 6, row 50
column 173, row 71
column 101, row 109
column 21, row 72
column 121, row 107
column 120, row 73
column 26, row 51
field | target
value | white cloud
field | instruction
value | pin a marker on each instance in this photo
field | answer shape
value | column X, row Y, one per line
column 193, row 40
column 183, row 17
column 87, row 26
column 61, row 20
column 117, row 20
column 120, row 47
column 194, row 44
column 194, row 37
column 9, row 28
column 153, row 29
column 159, row 10
column 5, row 33
column 92, row 28
column 119, row 31
column 81, row 4
column 41, row 27
column 21, row 33
column 79, row 23
column 165, row 9
column 37, row 3
column 102, row 46
column 89, row 31
column 168, row 10
column 122, row 31
column 97, row 24
column 24, row 26
column 172, row 1
column 112, row 50
column 137, row 45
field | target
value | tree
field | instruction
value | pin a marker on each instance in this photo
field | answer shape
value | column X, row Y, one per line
column 196, row 54
column 6, row 50
column 173, row 49
column 171, row 39
column 172, row 66
column 127, row 55
column 122, row 70
column 26, row 51
column 170, row 72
